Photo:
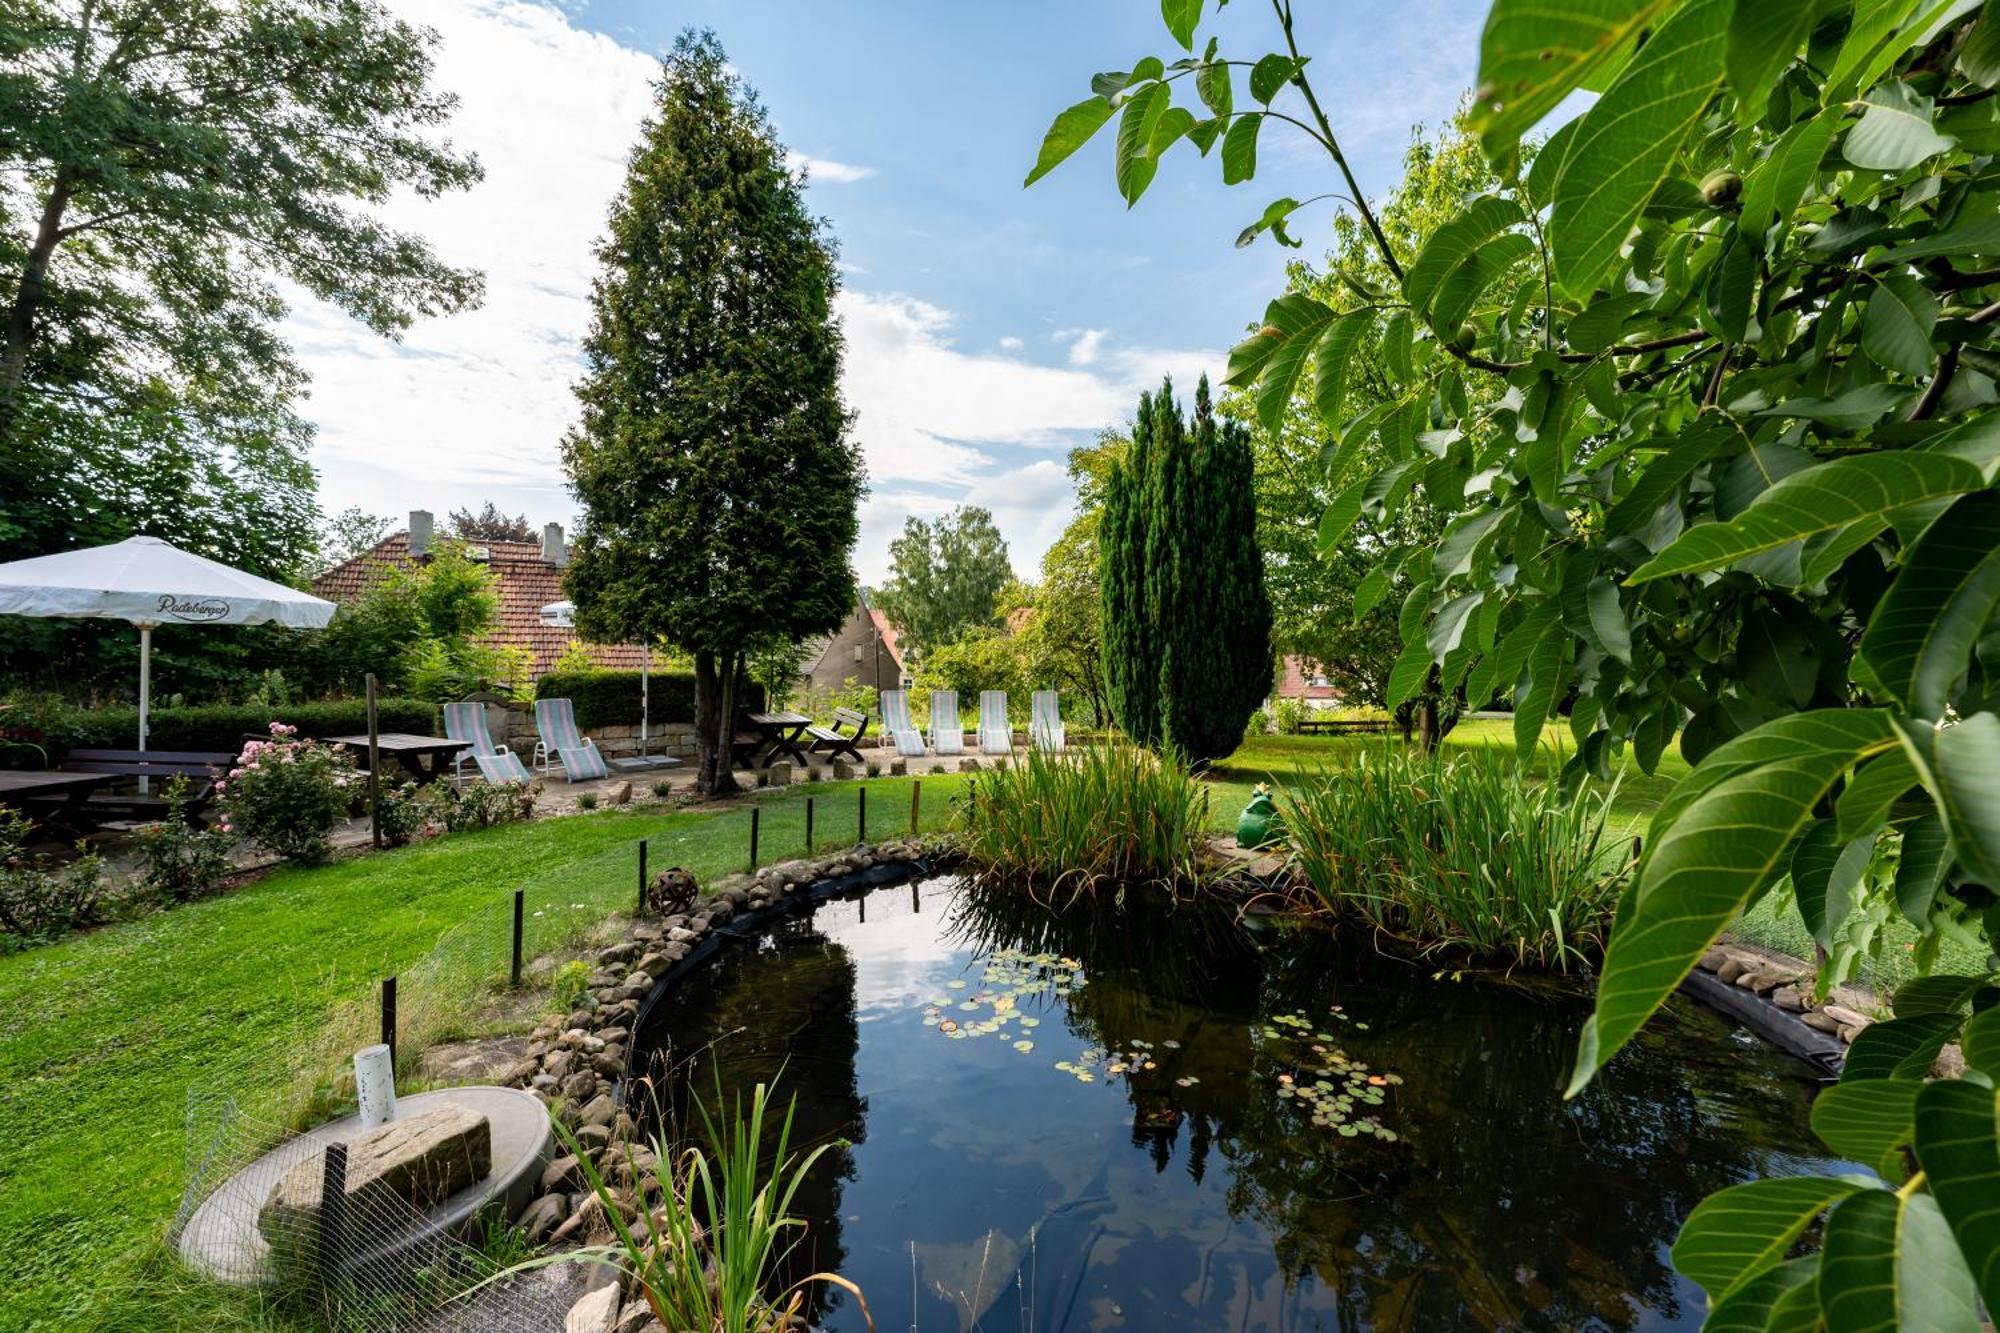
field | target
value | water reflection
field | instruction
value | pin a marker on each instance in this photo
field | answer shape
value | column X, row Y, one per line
column 986, row 1188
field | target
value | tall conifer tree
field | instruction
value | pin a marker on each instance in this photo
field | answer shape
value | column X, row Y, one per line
column 1186, row 622
column 713, row 457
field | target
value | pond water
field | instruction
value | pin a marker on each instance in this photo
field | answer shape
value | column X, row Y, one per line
column 1153, row 1118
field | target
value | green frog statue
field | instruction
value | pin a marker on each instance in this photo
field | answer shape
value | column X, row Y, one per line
column 1260, row 824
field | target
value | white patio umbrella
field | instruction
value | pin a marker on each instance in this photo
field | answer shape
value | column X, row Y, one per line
column 145, row 581
column 562, row 615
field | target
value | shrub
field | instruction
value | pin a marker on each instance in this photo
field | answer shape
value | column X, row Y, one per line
column 287, row 794
column 570, row 986
column 1462, row 854
column 410, row 812
column 220, row 728
column 1112, row 814
column 586, row 800
column 39, row 900
column 611, row 698
column 182, row 861
column 1289, row 715
column 1259, row 724
column 662, row 788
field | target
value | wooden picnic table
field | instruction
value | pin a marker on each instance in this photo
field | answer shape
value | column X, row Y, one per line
column 1317, row 726
column 777, row 737
column 424, row 758
column 52, row 800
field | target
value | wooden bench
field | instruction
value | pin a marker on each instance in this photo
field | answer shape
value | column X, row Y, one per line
column 1321, row 726
column 203, row 768
column 834, row 742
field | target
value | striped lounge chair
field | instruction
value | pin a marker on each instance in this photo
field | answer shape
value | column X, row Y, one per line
column 496, row 763
column 896, row 721
column 555, row 719
column 947, row 732
column 1045, row 723
column 996, row 733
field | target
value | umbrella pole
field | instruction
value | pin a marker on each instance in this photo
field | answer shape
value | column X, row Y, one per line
column 145, row 694
column 645, row 699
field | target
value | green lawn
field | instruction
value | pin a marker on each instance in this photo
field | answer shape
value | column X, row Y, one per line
column 102, row 1035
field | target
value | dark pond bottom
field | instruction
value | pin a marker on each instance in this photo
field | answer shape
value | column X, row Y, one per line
column 1150, row 1118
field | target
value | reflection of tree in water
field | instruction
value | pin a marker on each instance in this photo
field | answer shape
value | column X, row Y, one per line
column 779, row 1012
column 1503, row 1206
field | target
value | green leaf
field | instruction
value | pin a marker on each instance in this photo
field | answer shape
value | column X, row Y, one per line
column 1943, row 994
column 1455, row 553
column 1336, row 348
column 1902, row 1048
column 1274, row 214
column 1447, row 628
column 1607, row 617
column 1732, row 283
column 1460, row 291
column 1453, row 243
column 1869, row 1122
column 1751, row 1307
column 1864, row 806
column 1972, row 238
column 1664, row 475
column 1889, row 1263
column 1895, row 132
column 1773, row 191
column 1533, row 703
column 1920, row 639
column 1979, row 57
column 1820, row 499
column 1921, row 870
column 1627, row 143
column 1269, row 76
column 1212, row 85
column 1960, row 764
column 1534, row 53
column 1182, row 17
column 1763, row 38
column 1824, row 876
column 1737, row 1233
column 1133, row 165
column 1980, row 1041
column 1174, row 122
column 1603, row 323
column 1719, row 839
column 1368, row 593
column 1239, row 149
column 1071, row 130
column 1870, row 46
column 1406, row 674
column 1295, row 323
column 1341, row 515
column 1958, row 1146
column 1853, row 410
column 1896, row 327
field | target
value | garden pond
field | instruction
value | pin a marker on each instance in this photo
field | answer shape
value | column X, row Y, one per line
column 1147, row 1116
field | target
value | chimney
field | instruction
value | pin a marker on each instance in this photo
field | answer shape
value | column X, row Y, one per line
column 554, row 552
column 420, row 531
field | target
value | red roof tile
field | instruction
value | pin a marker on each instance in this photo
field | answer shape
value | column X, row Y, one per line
column 888, row 633
column 1297, row 683
column 526, row 583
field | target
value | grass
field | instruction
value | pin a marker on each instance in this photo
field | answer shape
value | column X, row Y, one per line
column 102, row 1035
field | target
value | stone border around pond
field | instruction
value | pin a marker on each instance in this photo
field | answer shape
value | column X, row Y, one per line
column 578, row 1063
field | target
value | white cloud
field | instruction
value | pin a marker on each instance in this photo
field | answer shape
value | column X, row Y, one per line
column 825, row 171
column 475, row 406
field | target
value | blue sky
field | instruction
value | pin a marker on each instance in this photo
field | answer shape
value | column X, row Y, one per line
column 989, row 327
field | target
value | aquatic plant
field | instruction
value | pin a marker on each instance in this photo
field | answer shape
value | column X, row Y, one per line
column 706, row 1251
column 1463, row 854
column 1108, row 814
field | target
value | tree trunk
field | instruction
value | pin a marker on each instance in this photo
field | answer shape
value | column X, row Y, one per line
column 725, row 778
column 21, row 316
column 707, row 707
column 1428, row 734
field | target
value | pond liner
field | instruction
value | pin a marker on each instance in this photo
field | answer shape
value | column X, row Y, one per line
column 1768, row 1021
column 748, row 925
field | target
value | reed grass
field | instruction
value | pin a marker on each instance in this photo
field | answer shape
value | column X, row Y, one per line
column 1106, row 814
column 1464, row 854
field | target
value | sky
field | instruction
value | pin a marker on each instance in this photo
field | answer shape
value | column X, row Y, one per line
column 989, row 328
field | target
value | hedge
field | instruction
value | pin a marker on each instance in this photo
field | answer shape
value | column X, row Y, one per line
column 222, row 727
column 611, row 698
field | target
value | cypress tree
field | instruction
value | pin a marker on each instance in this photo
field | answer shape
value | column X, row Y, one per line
column 713, row 459
column 1186, row 622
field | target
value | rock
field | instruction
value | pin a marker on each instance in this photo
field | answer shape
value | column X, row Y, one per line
column 597, row 1312
column 1818, row 1020
column 1732, row 968
column 899, row 768
column 1790, row 999
column 681, row 935
column 609, row 1065
column 1844, row 1016
column 1766, row 980
column 622, row 794
column 842, row 770
column 781, row 775
column 557, row 1065
column 543, row 1216
column 637, row 1318
column 1713, row 960
column 599, row 1110
column 968, row 765
column 594, row 1138
column 564, row 1173
column 417, row 1161
column 618, row 953
column 1849, row 1031
column 486, row 1060
column 581, row 1086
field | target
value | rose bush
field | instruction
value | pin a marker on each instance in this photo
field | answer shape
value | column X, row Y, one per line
column 287, row 794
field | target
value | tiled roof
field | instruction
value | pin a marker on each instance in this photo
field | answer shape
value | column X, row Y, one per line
column 888, row 633
column 526, row 583
column 1297, row 683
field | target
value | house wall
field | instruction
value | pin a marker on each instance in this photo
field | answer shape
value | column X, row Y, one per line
column 877, row 666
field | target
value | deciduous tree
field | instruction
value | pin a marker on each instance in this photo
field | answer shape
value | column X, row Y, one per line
column 713, row 459
column 946, row 576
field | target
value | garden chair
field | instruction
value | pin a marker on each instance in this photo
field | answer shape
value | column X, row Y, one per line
column 996, row 733
column 496, row 763
column 897, row 722
column 1045, row 722
column 947, row 732
column 555, row 720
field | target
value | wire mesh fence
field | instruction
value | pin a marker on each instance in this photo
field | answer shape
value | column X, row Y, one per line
column 263, row 1204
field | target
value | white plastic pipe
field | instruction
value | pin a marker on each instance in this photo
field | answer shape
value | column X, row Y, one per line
column 375, row 1085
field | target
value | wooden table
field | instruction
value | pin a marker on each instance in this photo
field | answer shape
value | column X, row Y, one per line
column 424, row 758
column 778, row 737
column 1343, row 726
column 52, row 800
